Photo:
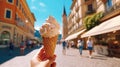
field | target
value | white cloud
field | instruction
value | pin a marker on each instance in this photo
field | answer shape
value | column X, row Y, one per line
column 42, row 4
column 61, row 30
column 37, row 28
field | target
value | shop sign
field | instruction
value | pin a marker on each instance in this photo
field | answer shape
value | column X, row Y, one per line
column 6, row 27
column 20, row 24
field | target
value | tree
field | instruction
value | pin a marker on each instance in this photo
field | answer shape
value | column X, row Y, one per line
column 93, row 20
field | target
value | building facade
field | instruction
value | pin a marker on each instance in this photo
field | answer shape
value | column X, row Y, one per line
column 16, row 22
column 107, row 34
column 79, row 10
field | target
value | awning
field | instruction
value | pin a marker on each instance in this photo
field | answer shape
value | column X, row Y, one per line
column 105, row 27
column 35, row 39
column 75, row 35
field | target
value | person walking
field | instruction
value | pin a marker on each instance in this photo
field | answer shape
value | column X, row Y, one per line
column 90, row 46
column 22, row 47
column 80, row 46
column 11, row 47
column 64, row 44
column 30, row 44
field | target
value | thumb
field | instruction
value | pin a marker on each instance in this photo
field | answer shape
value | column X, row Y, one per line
column 52, row 59
column 53, row 64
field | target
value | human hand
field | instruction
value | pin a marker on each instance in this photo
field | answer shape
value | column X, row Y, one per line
column 40, row 60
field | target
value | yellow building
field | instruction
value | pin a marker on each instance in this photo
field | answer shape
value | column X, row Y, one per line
column 16, row 22
column 79, row 10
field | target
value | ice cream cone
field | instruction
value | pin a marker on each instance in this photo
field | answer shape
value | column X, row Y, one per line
column 49, row 45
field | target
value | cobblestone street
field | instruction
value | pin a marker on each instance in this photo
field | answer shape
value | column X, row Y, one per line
column 71, row 59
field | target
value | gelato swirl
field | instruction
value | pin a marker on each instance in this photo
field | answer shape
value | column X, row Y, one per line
column 50, row 28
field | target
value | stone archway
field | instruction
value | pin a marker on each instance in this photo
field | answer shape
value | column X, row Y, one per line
column 5, row 38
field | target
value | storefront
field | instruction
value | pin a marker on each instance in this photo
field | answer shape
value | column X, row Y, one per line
column 107, row 34
column 74, row 37
column 4, row 38
column 5, row 34
column 11, row 32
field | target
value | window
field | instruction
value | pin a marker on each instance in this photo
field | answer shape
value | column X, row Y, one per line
column 8, row 14
column 90, row 7
column 16, row 2
column 117, row 37
column 20, row 6
column 86, row 0
column 16, row 17
column 5, row 37
column 109, row 3
column 10, row 1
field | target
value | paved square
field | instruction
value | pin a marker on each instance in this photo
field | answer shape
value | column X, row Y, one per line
column 71, row 59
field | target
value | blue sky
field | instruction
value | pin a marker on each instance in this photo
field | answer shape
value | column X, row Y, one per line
column 43, row 8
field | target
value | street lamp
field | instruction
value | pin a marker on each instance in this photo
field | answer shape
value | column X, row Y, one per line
column 26, row 21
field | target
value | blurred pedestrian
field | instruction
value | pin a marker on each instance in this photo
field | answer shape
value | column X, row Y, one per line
column 64, row 45
column 22, row 47
column 72, row 44
column 90, row 46
column 68, row 45
column 80, row 46
column 33, row 44
column 27, row 43
column 11, row 47
column 30, row 43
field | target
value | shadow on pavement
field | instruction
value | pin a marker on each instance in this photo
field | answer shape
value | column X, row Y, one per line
column 100, row 57
column 70, row 55
column 5, row 53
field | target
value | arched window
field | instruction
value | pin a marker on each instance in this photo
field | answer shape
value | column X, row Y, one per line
column 109, row 5
column 4, row 38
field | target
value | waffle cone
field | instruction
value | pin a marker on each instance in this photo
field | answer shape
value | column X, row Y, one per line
column 49, row 45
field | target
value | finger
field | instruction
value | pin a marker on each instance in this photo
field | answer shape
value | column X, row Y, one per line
column 52, row 59
column 41, row 51
column 43, row 57
column 38, row 53
column 41, row 54
column 53, row 64
column 54, row 55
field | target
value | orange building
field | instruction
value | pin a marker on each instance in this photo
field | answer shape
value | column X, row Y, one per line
column 16, row 22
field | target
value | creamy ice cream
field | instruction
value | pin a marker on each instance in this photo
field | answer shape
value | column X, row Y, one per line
column 50, row 28
column 49, row 32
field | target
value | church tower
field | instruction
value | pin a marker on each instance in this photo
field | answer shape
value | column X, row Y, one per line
column 64, row 20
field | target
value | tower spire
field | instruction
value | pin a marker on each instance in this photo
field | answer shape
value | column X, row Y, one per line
column 64, row 11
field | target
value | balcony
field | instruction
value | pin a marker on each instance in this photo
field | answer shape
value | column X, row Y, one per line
column 104, row 1
column 113, row 11
column 78, row 19
column 88, row 1
column 73, row 4
column 77, row 9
